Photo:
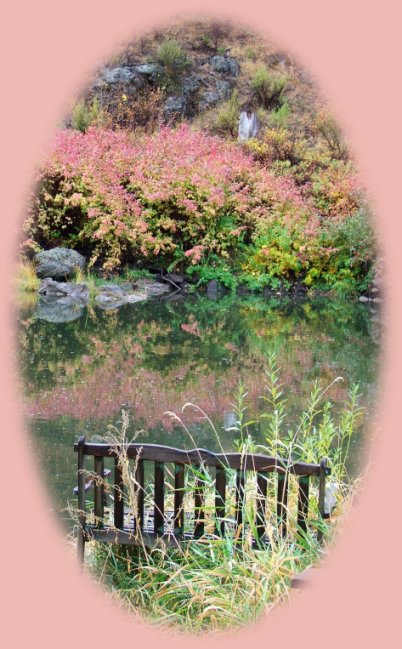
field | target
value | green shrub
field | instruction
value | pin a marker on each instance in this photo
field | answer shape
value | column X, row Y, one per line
column 218, row 270
column 226, row 118
column 330, row 132
column 250, row 53
column 279, row 118
column 274, row 144
column 84, row 114
column 274, row 256
column 206, row 41
column 268, row 88
column 173, row 59
column 351, row 242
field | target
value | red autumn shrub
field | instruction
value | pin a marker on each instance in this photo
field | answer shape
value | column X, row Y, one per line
column 175, row 195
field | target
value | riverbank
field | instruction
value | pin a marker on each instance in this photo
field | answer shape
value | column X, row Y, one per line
column 133, row 285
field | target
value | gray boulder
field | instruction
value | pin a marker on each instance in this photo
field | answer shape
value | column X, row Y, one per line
column 220, row 64
column 64, row 292
column 151, row 287
column 118, row 75
column 208, row 99
column 113, row 296
column 149, row 70
column 57, row 310
column 223, row 89
column 107, row 300
column 174, row 106
column 225, row 65
column 190, row 85
column 61, row 301
column 233, row 67
column 58, row 262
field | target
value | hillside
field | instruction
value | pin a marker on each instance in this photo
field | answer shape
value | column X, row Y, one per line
column 198, row 72
column 148, row 172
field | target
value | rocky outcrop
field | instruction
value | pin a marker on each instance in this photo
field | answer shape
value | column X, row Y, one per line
column 58, row 311
column 61, row 301
column 151, row 287
column 120, row 75
column 208, row 99
column 58, row 263
column 225, row 65
column 150, row 70
column 223, row 89
column 113, row 296
column 174, row 106
column 190, row 85
column 65, row 301
column 64, row 291
column 210, row 81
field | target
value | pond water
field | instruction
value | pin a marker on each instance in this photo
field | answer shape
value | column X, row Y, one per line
column 153, row 357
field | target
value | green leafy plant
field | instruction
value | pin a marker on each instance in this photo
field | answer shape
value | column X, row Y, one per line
column 217, row 270
column 225, row 118
column 330, row 132
column 173, row 59
column 280, row 116
column 267, row 87
column 84, row 114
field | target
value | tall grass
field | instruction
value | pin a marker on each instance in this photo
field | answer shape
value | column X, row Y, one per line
column 26, row 277
column 223, row 581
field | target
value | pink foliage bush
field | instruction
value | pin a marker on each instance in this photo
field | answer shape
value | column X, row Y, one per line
column 175, row 195
column 337, row 190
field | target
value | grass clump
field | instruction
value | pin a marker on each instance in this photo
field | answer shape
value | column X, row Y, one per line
column 84, row 114
column 174, row 60
column 219, row 582
column 225, row 118
column 27, row 279
column 268, row 88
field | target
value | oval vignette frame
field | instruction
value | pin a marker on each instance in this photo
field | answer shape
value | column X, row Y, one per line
column 46, row 596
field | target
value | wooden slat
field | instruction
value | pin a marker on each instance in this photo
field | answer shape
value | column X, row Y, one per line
column 159, row 498
column 198, row 506
column 118, row 496
column 281, row 503
column 99, row 495
column 89, row 483
column 220, row 500
column 178, row 499
column 262, row 484
column 302, row 503
column 81, row 501
column 126, row 537
column 160, row 453
column 240, row 497
column 139, row 479
column 321, row 495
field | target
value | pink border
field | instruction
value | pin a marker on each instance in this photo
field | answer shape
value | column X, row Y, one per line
column 353, row 48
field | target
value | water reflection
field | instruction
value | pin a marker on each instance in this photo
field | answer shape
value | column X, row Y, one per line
column 153, row 357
